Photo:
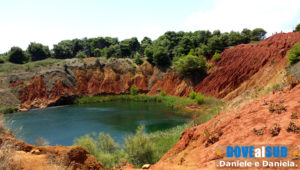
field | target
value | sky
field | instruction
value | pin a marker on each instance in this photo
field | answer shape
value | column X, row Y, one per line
column 50, row 21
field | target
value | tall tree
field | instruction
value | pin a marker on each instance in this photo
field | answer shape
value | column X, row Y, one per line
column 38, row 51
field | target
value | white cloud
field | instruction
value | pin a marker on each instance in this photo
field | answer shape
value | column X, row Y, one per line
column 272, row 15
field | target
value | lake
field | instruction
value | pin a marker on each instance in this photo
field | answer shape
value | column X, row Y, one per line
column 60, row 125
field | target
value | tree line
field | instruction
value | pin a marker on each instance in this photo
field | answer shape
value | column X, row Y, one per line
column 160, row 52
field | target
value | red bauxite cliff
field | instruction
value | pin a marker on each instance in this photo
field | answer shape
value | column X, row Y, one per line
column 240, row 63
column 238, row 66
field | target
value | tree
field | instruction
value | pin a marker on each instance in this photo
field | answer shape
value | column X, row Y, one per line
column 149, row 54
column 190, row 65
column 138, row 59
column 184, row 46
column 38, row 51
column 81, row 54
column 129, row 47
column 145, row 43
column 17, row 55
column 113, row 51
column 297, row 28
column 215, row 44
column 161, row 57
column 63, row 50
column 258, row 34
column 294, row 54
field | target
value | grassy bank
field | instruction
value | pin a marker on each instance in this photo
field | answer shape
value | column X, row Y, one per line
column 176, row 105
column 8, row 109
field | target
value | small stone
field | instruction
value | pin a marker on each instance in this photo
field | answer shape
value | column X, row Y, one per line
column 146, row 166
column 35, row 151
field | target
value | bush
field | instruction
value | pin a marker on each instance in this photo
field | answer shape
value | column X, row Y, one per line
column 17, row 55
column 137, row 59
column 297, row 28
column 192, row 94
column 217, row 57
column 81, row 54
column 294, row 54
column 163, row 93
column 200, row 98
column 38, row 51
column 1, row 60
column 8, row 110
column 97, row 62
column 139, row 148
column 190, row 65
column 133, row 90
column 103, row 147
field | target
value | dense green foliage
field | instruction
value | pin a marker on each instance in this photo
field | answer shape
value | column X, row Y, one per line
column 192, row 94
column 190, row 65
column 81, row 54
column 133, row 90
column 161, row 52
column 297, row 28
column 200, row 99
column 217, row 57
column 138, row 149
column 38, row 51
column 7, row 110
column 17, row 55
column 163, row 93
column 294, row 54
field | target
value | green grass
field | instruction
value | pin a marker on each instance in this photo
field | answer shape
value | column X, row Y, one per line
column 8, row 109
column 176, row 104
column 8, row 67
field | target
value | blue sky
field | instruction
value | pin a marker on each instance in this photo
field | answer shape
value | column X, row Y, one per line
column 50, row 21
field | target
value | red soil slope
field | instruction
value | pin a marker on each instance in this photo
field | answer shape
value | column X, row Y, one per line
column 240, row 63
column 237, row 126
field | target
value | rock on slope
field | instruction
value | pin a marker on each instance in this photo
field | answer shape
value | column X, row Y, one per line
column 192, row 151
column 15, row 154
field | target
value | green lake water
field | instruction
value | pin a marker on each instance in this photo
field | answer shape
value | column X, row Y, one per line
column 60, row 125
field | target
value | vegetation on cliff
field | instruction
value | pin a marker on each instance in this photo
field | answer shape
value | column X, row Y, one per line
column 294, row 54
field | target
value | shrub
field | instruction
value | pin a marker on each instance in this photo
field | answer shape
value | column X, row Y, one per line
column 294, row 54
column 97, row 62
column 138, row 59
column 1, row 60
column 38, row 51
column 217, row 57
column 189, row 65
column 103, row 147
column 200, row 98
column 192, row 94
column 163, row 93
column 8, row 110
column 81, row 54
column 17, row 55
column 297, row 28
column 139, row 148
column 133, row 90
